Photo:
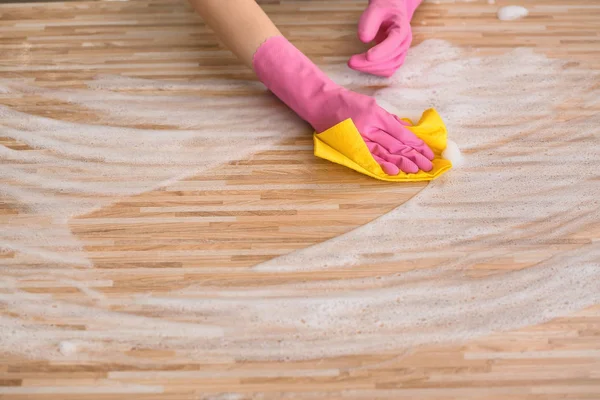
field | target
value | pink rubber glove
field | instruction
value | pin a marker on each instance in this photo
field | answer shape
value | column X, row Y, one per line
column 300, row 84
column 388, row 23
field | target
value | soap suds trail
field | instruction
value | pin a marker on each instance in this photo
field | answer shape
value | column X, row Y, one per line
column 78, row 167
column 529, row 187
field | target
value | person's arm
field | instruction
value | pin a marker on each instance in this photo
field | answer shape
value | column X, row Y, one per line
column 241, row 24
column 299, row 83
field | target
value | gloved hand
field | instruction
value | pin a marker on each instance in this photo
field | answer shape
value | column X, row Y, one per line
column 388, row 23
column 300, row 84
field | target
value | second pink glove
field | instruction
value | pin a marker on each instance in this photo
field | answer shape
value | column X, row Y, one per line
column 387, row 22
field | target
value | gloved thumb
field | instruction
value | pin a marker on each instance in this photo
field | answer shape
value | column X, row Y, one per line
column 369, row 23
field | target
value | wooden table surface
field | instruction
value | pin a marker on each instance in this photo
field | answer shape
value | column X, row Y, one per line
column 558, row 359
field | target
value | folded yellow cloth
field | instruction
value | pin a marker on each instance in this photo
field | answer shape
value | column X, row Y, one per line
column 342, row 144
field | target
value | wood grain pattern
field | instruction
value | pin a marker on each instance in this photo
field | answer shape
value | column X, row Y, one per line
column 158, row 241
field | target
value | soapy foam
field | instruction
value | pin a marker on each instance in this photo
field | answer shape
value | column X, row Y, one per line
column 67, row 348
column 452, row 153
column 80, row 167
column 528, row 187
column 511, row 13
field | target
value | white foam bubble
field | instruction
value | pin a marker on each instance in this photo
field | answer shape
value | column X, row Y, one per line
column 452, row 153
column 511, row 13
column 67, row 348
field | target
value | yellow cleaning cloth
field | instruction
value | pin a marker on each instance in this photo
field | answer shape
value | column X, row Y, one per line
column 342, row 144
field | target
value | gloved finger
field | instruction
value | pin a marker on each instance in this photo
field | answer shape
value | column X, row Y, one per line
column 396, row 148
column 382, row 67
column 394, row 62
column 384, row 157
column 416, row 157
column 360, row 63
column 386, row 71
column 397, row 42
column 403, row 163
column 370, row 22
column 387, row 167
column 406, row 137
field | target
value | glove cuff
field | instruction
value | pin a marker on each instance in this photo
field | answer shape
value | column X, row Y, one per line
column 296, row 80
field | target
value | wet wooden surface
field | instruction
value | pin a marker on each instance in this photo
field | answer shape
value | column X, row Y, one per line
column 63, row 44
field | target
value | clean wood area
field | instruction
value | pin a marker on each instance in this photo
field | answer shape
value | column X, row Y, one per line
column 163, row 39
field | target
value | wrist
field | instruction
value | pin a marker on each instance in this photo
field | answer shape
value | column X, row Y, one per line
column 295, row 80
